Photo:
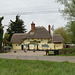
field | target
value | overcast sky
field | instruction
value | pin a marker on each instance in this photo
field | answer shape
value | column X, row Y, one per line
column 42, row 12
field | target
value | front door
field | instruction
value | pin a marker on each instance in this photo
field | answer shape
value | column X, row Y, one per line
column 28, row 47
column 22, row 47
column 37, row 47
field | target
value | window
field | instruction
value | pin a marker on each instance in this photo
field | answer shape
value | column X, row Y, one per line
column 26, row 46
column 41, row 39
column 17, row 45
column 28, row 39
column 32, row 39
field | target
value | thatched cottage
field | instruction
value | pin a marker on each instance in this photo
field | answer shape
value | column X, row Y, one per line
column 38, row 38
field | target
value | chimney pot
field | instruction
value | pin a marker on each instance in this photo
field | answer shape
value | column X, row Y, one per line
column 49, row 27
column 32, row 26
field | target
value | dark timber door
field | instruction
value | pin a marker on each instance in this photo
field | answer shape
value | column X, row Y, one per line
column 37, row 47
column 28, row 47
column 22, row 47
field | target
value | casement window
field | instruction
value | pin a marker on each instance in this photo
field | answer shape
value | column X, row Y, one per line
column 28, row 39
column 32, row 39
column 26, row 46
column 42, row 39
column 17, row 45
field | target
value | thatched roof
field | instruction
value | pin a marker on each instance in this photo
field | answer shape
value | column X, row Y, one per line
column 58, row 38
column 17, row 38
column 39, row 33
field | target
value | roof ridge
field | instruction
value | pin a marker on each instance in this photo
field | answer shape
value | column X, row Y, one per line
column 40, row 27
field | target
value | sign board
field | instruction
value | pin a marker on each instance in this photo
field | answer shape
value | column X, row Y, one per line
column 35, row 41
column 51, row 52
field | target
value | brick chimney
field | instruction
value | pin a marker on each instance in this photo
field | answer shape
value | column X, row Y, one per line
column 49, row 29
column 32, row 26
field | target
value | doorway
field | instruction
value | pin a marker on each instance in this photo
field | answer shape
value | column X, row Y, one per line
column 22, row 47
column 37, row 47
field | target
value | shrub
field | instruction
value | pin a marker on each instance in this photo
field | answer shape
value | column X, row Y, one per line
column 66, row 51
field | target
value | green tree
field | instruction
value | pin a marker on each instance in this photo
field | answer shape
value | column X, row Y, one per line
column 1, row 32
column 63, row 33
column 71, row 30
column 69, row 13
column 16, row 26
column 6, row 39
column 6, row 36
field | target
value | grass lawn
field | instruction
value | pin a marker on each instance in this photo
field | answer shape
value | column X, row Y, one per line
column 33, row 67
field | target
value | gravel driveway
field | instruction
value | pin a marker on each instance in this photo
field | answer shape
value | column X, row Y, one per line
column 37, row 55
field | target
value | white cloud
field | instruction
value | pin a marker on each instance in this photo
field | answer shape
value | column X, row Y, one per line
column 45, row 12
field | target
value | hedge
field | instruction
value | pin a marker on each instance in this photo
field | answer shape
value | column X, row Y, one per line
column 67, row 51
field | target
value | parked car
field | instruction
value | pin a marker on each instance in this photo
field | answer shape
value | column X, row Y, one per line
column 7, row 48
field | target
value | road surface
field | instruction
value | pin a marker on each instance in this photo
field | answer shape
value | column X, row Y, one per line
column 38, row 55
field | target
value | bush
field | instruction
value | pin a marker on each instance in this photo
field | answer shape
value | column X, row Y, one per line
column 10, row 44
column 5, row 49
column 1, row 51
column 66, row 51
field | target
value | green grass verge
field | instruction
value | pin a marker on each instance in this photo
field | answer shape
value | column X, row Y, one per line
column 35, row 67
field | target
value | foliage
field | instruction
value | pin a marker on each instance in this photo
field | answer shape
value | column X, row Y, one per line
column 63, row 33
column 5, row 49
column 69, row 12
column 35, row 67
column 16, row 26
column 1, row 32
column 69, row 9
column 6, row 36
column 5, row 41
column 67, row 51
column 71, row 29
